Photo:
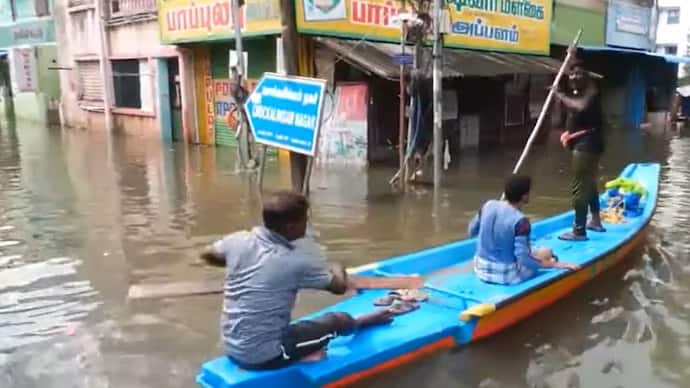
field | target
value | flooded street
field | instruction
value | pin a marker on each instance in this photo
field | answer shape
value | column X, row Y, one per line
column 83, row 218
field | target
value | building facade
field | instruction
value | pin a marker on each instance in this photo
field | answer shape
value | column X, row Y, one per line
column 120, row 65
column 29, row 86
column 673, row 30
column 205, row 29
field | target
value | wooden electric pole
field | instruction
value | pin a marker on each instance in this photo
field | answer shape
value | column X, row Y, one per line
column 298, row 162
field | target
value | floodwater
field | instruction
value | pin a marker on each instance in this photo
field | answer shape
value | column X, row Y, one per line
column 82, row 218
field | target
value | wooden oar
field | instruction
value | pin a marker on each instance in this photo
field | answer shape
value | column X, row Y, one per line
column 215, row 286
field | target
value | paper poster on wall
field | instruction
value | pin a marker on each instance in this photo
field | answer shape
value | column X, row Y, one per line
column 344, row 135
column 224, row 102
column 24, row 69
column 234, row 60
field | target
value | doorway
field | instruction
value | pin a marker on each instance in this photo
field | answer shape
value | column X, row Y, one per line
column 175, row 98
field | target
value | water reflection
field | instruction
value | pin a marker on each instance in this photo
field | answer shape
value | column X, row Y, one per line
column 83, row 217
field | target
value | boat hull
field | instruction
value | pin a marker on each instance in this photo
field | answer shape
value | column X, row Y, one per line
column 461, row 309
column 541, row 298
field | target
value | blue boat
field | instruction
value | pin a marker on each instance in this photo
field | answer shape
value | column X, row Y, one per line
column 461, row 308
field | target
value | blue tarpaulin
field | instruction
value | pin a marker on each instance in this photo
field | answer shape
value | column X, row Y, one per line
column 667, row 58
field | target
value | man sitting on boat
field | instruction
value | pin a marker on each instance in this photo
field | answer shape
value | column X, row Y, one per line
column 264, row 272
column 504, row 255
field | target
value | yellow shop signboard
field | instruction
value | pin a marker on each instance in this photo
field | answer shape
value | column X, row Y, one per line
column 201, row 20
column 500, row 25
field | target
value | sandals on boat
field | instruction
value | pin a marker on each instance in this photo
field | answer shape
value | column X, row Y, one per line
column 570, row 236
column 387, row 299
column 400, row 307
column 408, row 296
column 412, row 295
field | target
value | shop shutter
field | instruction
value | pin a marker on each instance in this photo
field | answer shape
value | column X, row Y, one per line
column 90, row 83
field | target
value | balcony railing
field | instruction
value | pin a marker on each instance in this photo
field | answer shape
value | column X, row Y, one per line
column 131, row 7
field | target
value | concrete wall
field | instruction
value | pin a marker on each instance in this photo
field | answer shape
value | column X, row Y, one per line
column 137, row 40
column 76, row 31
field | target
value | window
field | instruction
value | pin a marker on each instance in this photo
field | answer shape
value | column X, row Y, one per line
column 673, row 16
column 671, row 50
column 90, row 85
column 132, row 84
column 41, row 7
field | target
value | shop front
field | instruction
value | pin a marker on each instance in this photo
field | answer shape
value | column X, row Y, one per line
column 495, row 64
column 205, row 28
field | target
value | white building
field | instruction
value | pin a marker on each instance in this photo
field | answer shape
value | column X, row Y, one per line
column 673, row 30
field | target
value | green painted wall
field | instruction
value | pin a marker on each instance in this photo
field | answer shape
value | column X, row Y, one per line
column 48, row 77
column 567, row 19
column 261, row 56
column 36, row 106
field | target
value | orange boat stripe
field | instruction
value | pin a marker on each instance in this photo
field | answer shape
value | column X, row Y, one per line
column 444, row 343
column 522, row 308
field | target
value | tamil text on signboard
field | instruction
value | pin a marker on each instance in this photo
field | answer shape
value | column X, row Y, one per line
column 500, row 25
column 200, row 20
column 285, row 112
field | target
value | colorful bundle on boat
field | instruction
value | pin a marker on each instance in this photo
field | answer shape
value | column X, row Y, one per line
column 624, row 195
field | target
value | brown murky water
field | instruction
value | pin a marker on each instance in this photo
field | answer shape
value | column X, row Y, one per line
column 83, row 218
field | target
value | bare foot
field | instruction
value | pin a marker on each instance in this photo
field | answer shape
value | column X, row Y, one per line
column 316, row 356
column 378, row 317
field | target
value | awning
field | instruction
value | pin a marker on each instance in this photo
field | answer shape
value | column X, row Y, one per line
column 377, row 58
column 668, row 58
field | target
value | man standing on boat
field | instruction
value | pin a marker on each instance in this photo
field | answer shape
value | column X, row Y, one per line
column 583, row 137
column 264, row 272
column 504, row 254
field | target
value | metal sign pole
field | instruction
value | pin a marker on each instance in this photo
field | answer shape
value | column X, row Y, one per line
column 262, row 160
column 307, row 176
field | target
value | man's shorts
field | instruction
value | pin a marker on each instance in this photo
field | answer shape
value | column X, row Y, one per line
column 306, row 337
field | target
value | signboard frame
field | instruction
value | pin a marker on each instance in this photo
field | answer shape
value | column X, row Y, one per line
column 320, row 83
column 490, row 25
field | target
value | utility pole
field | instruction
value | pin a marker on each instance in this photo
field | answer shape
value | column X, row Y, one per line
column 238, row 37
column 298, row 162
column 438, row 92
column 401, row 130
column 104, row 64
column 242, row 127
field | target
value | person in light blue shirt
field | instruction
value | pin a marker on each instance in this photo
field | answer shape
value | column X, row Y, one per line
column 504, row 254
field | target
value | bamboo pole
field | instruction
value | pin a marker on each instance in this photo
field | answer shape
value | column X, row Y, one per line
column 547, row 103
